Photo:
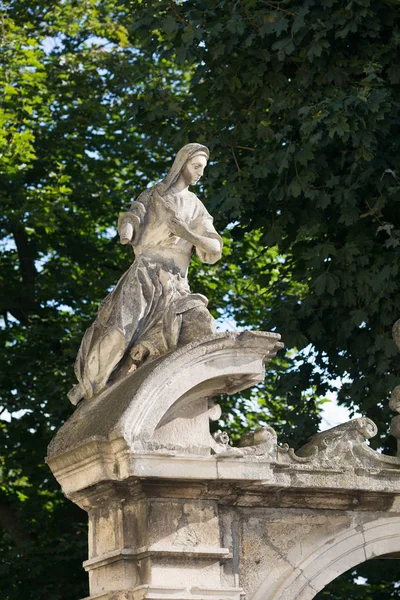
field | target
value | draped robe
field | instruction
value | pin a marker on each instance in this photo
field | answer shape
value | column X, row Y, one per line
column 146, row 307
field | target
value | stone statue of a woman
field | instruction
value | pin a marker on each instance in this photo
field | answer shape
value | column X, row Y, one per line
column 151, row 310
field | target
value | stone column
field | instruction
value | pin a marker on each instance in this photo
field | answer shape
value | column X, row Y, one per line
column 146, row 541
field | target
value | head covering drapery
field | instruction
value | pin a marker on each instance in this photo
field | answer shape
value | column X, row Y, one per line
column 184, row 154
column 160, row 192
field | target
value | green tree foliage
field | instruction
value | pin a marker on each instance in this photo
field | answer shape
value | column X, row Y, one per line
column 298, row 102
column 372, row 580
column 70, row 152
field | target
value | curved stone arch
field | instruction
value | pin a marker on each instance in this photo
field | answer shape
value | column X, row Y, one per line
column 302, row 576
column 226, row 363
column 131, row 412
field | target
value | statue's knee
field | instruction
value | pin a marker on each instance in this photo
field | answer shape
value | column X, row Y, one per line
column 197, row 323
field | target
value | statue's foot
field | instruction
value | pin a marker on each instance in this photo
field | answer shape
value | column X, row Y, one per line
column 138, row 354
column 132, row 361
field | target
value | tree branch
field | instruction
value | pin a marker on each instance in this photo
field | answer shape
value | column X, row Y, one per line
column 26, row 258
column 235, row 159
column 27, row 268
column 277, row 7
column 10, row 522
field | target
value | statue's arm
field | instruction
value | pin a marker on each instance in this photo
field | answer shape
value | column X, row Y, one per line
column 129, row 224
column 208, row 243
column 127, row 227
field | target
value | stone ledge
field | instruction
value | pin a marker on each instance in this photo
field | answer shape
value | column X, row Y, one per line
column 251, row 483
column 257, row 470
column 149, row 592
column 197, row 552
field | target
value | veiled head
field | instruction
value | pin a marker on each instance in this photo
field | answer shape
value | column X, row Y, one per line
column 189, row 163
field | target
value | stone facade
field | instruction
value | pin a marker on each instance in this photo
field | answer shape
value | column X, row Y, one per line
column 176, row 513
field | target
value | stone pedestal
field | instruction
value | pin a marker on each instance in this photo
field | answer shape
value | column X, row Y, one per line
column 176, row 514
column 146, row 542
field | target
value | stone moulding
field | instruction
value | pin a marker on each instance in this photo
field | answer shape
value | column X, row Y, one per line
column 152, row 592
column 161, row 551
column 155, row 423
column 163, row 407
column 178, row 514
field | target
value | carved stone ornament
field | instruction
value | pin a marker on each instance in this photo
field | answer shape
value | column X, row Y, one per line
column 340, row 445
column 166, row 405
column 394, row 402
column 152, row 310
column 175, row 512
column 396, row 333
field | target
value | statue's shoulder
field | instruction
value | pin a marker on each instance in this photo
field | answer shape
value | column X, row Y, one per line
column 201, row 211
column 195, row 201
column 143, row 198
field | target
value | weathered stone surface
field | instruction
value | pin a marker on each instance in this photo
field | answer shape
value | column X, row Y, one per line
column 176, row 513
column 151, row 310
column 328, row 551
column 175, row 539
column 343, row 445
column 163, row 407
column 394, row 402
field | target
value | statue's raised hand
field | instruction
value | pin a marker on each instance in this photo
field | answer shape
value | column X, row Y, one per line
column 178, row 227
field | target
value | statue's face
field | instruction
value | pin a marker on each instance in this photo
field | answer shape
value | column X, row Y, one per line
column 194, row 169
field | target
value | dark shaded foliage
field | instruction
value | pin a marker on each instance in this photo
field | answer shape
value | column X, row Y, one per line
column 299, row 104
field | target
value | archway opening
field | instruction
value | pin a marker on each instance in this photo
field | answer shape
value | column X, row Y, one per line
column 375, row 579
column 318, row 562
